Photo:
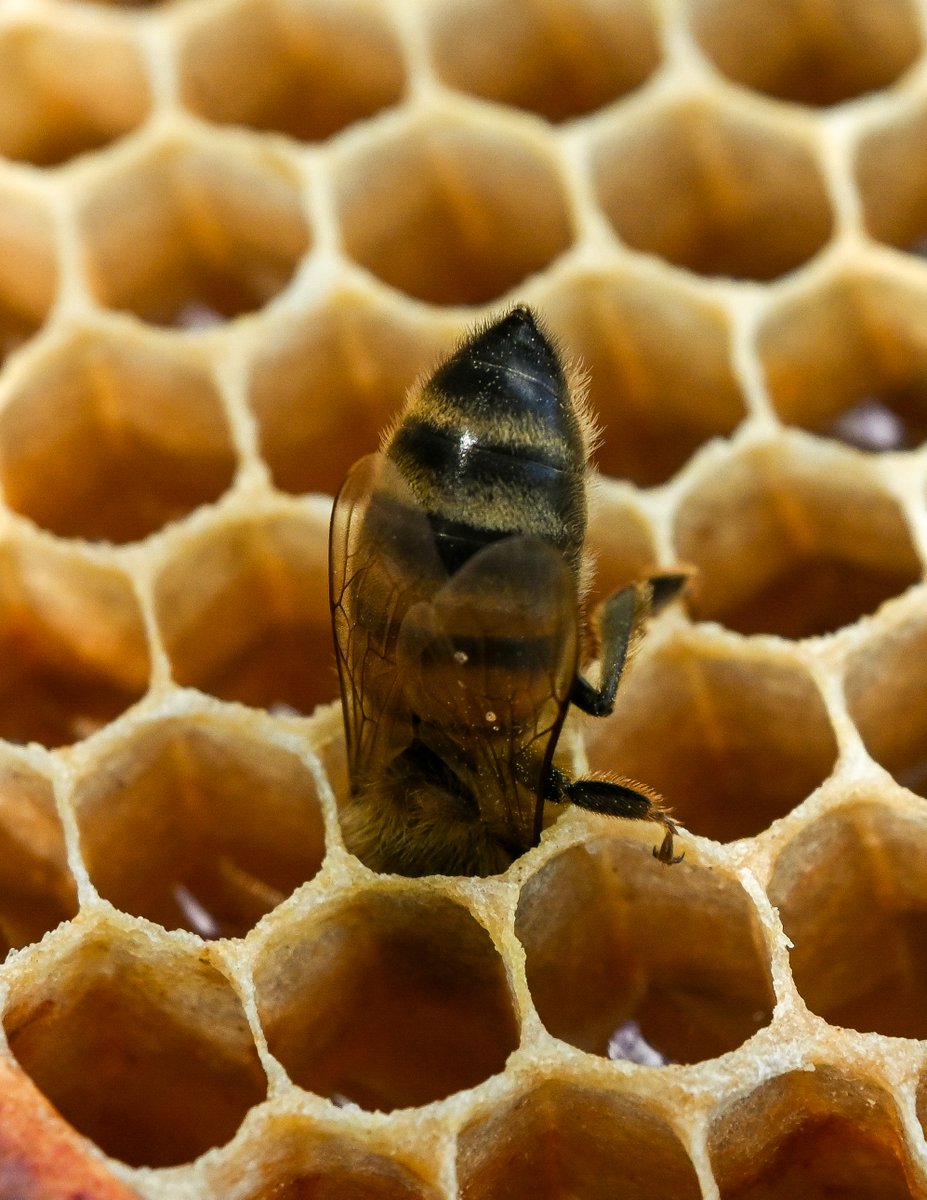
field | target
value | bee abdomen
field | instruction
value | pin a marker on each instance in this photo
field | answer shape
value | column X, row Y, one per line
column 475, row 494
column 492, row 445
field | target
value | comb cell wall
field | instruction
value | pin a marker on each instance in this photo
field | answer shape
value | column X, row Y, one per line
column 232, row 234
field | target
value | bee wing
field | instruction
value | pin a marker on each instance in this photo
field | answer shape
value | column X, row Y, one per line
column 488, row 663
column 382, row 560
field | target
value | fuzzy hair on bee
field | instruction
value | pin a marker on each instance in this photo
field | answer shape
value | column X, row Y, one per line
column 457, row 569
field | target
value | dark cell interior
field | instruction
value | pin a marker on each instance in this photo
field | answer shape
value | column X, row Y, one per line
column 853, row 901
column 559, row 1140
column 560, row 60
column 815, row 596
column 677, row 949
column 715, row 735
column 452, row 216
column 197, row 826
column 388, row 1003
column 120, row 1060
column 812, row 1134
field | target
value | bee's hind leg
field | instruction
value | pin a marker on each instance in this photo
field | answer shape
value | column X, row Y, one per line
column 615, row 800
column 622, row 620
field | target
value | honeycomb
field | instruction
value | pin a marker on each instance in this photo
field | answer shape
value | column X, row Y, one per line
column 232, row 233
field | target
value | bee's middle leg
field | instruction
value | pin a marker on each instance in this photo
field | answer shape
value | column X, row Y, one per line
column 621, row 624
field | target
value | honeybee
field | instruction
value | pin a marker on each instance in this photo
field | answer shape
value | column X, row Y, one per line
column 456, row 567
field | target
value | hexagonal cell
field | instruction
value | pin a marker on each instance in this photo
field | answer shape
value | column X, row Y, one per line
column 793, row 538
column 559, row 60
column 452, row 212
column 132, row 435
column 712, row 728
column 67, row 90
column 809, row 53
column 307, row 70
column 610, row 934
column 387, row 999
column 884, row 686
column 37, row 890
column 820, row 1132
column 28, row 267
column 143, row 1047
column 324, row 389
column 300, row 1161
column 193, row 232
column 243, row 611
column 560, row 1139
column 849, row 361
column 714, row 191
column 196, row 825
column 851, row 890
column 892, row 181
column 658, row 364
column 73, row 650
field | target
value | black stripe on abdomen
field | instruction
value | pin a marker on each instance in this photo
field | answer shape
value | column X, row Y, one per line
column 504, row 490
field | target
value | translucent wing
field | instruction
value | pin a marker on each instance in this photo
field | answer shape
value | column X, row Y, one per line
column 488, row 662
column 382, row 561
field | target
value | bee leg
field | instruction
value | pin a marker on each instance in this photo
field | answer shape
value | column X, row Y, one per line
column 621, row 623
column 615, row 800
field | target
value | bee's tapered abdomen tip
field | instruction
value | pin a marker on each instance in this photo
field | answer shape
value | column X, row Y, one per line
column 516, row 335
column 518, row 327
column 510, row 363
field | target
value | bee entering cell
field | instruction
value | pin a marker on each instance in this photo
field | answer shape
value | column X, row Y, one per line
column 456, row 555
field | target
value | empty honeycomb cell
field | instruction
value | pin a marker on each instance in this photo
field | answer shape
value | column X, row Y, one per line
column 884, row 686
column 300, row 1161
column 191, row 233
column 892, row 180
column 28, row 270
column 560, row 60
column 791, row 540
column 851, row 890
column 714, row 191
column 713, row 730
column 196, row 825
column 73, row 650
column 659, row 371
column 143, row 1047
column 37, row 890
column 610, row 934
column 560, row 1139
column 452, row 211
column 388, row 999
column 818, row 54
column 849, row 361
column 324, row 388
column 307, row 70
column 819, row 1132
column 132, row 435
column 67, row 89
column 242, row 607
